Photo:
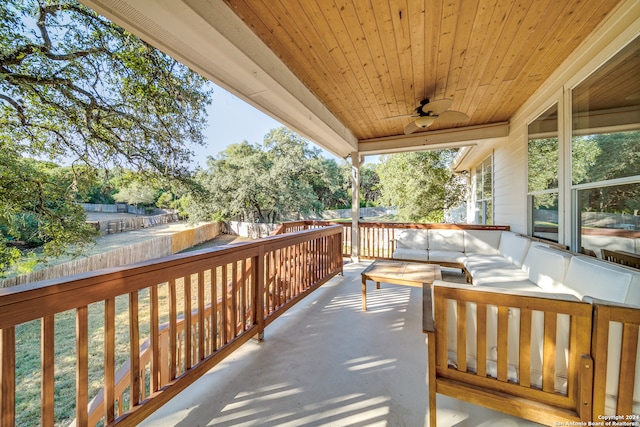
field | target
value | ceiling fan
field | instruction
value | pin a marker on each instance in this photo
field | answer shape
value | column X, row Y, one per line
column 427, row 113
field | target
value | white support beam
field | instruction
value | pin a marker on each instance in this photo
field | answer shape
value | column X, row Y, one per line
column 355, row 206
column 431, row 140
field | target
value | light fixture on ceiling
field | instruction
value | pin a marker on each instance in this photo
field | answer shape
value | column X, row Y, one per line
column 425, row 121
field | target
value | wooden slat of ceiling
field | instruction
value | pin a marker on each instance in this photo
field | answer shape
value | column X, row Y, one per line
column 389, row 63
column 369, row 60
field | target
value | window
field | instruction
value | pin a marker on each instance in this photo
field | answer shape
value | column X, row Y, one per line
column 542, row 173
column 484, row 192
column 605, row 155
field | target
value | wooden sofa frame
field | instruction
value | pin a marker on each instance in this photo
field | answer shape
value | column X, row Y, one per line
column 588, row 340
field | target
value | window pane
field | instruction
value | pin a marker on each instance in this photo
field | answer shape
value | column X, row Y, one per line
column 545, row 216
column 487, row 192
column 606, row 120
column 543, row 151
column 609, row 218
column 479, row 219
column 488, row 219
column 600, row 157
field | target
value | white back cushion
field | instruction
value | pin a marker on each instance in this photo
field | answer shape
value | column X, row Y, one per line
column 411, row 239
column 446, row 240
column 547, row 267
column 588, row 276
column 513, row 247
column 482, row 241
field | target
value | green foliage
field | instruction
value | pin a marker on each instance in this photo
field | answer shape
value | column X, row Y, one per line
column 76, row 87
column 136, row 193
column 420, row 184
column 74, row 84
column 543, row 164
column 261, row 183
column 37, row 208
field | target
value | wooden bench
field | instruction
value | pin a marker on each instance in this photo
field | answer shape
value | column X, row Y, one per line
column 621, row 257
column 483, row 322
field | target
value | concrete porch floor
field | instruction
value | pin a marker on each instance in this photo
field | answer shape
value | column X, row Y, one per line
column 328, row 363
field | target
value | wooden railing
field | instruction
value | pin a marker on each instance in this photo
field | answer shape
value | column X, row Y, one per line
column 260, row 279
column 377, row 239
column 620, row 257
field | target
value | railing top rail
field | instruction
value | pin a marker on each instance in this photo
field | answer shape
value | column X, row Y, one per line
column 427, row 226
column 438, row 226
column 23, row 303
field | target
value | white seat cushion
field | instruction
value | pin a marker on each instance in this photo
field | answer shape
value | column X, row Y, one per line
column 446, row 240
column 411, row 254
column 513, row 247
column 411, row 239
column 446, row 256
column 485, row 242
column 588, row 276
column 547, row 267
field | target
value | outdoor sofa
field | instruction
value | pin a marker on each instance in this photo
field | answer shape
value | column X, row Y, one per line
column 539, row 332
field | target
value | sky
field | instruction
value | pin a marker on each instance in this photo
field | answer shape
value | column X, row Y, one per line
column 231, row 121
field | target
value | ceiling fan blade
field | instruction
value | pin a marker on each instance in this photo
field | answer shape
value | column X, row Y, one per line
column 411, row 128
column 436, row 107
column 452, row 117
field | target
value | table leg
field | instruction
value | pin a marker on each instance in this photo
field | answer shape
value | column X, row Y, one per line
column 377, row 285
column 364, row 294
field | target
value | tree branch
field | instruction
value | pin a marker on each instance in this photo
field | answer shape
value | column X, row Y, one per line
column 15, row 104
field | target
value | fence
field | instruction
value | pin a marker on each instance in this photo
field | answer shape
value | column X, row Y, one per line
column 149, row 249
column 129, row 224
column 123, row 208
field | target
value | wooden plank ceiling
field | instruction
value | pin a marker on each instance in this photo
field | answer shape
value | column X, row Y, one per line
column 371, row 60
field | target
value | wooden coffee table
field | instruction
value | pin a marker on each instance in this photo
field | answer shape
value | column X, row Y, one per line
column 398, row 273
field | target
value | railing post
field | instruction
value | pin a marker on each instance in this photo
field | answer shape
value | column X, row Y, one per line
column 355, row 206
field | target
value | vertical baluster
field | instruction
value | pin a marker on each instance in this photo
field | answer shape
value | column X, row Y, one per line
column 214, row 309
column 313, row 257
column 525, row 347
column 154, row 338
column 259, row 280
column 461, row 334
column 281, row 276
column 82, row 366
column 626, row 379
column 134, row 349
column 549, row 352
column 481, row 352
column 243, row 294
column 287, row 272
column 268, row 283
column 503, row 340
column 173, row 331
column 187, row 322
column 235, row 315
column 225, row 306
column 109, row 358
column 47, row 343
column 201, row 328
column 297, row 285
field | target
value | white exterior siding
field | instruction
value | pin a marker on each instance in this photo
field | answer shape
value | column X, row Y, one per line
column 510, row 183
